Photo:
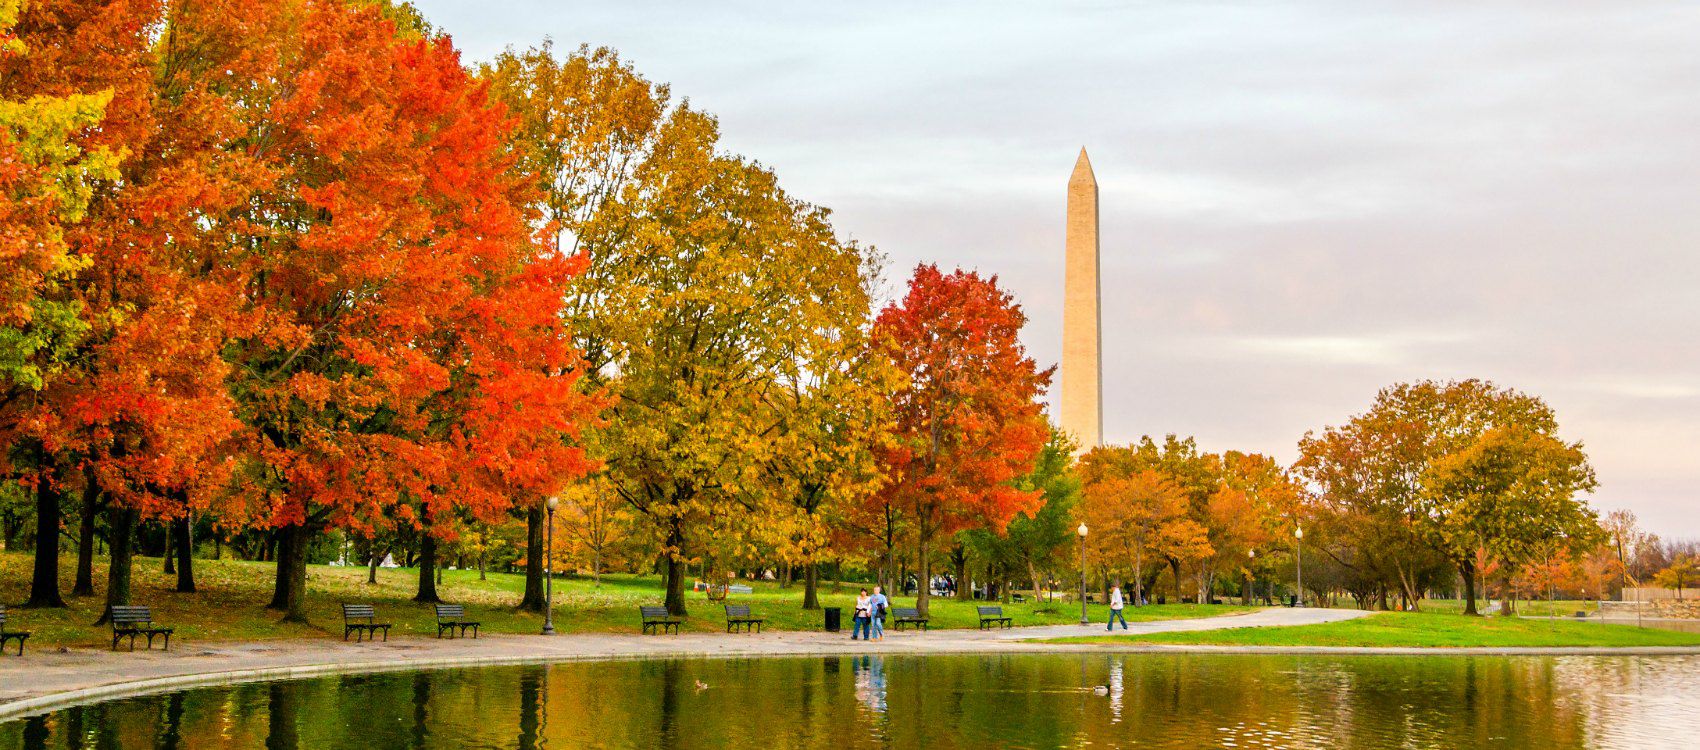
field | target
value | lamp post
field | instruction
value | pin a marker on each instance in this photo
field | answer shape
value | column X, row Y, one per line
column 1251, row 557
column 549, row 570
column 1299, row 534
column 1082, row 532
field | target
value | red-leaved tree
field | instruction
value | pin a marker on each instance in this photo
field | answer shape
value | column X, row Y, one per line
column 968, row 419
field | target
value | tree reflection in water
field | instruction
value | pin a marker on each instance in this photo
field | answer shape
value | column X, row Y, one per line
column 1145, row 700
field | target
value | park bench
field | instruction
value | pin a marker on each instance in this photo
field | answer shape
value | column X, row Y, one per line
column 993, row 616
column 362, row 621
column 658, row 617
column 453, row 616
column 13, row 635
column 738, row 615
column 901, row 616
column 133, row 620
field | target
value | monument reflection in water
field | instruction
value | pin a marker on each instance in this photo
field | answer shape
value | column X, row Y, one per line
column 1031, row 701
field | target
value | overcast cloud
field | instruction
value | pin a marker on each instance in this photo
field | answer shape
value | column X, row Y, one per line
column 1302, row 202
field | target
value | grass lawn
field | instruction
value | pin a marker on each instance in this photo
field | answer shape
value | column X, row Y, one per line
column 1423, row 629
column 232, row 595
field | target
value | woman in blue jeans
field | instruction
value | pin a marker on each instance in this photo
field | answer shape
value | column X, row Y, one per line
column 861, row 625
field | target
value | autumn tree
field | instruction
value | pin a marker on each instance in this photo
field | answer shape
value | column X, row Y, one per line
column 1381, row 463
column 584, row 125
column 1514, row 491
column 401, row 359
column 967, row 418
column 591, row 523
column 139, row 416
column 1033, row 541
column 1681, row 572
column 48, row 173
column 1137, row 516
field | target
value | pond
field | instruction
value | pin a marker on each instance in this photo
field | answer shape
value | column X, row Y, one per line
column 1017, row 701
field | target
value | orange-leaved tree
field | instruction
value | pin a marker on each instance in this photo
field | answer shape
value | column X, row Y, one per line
column 1136, row 517
column 966, row 419
column 405, row 362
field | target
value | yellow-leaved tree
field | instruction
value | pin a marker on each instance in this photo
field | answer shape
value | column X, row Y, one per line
column 710, row 296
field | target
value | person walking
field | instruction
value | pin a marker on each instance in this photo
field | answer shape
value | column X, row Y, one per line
column 859, row 624
column 877, row 606
column 1116, row 605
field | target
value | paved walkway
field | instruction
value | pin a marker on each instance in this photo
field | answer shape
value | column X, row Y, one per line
column 44, row 680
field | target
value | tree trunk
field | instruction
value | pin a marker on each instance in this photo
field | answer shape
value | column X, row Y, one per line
column 889, row 571
column 281, row 539
column 532, row 601
column 427, row 570
column 481, row 567
column 378, row 555
column 811, row 586
column 121, row 536
column 924, row 570
column 1139, row 572
column 959, row 558
column 675, row 570
column 44, row 584
column 295, row 563
column 185, row 555
column 1467, row 571
column 84, row 585
column 1175, row 569
column 165, row 555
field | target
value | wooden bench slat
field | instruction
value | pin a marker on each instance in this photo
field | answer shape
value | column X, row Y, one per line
column 133, row 620
column 11, row 635
column 657, row 617
column 908, row 616
column 452, row 618
column 738, row 615
column 361, row 630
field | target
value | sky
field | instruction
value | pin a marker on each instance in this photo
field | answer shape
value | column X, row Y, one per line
column 1302, row 202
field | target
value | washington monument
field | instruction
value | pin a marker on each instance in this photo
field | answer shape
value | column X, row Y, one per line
column 1082, row 371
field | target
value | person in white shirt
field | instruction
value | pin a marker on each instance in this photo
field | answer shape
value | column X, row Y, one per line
column 860, row 624
column 1116, row 605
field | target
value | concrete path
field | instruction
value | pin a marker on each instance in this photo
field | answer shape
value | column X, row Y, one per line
column 46, row 680
column 1263, row 618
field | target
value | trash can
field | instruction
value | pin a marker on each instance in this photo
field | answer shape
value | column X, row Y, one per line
column 832, row 619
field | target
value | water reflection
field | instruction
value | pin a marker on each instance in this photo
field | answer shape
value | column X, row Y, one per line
column 1027, row 701
column 870, row 682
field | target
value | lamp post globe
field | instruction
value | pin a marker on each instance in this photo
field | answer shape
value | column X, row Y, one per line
column 1082, row 532
column 549, row 568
